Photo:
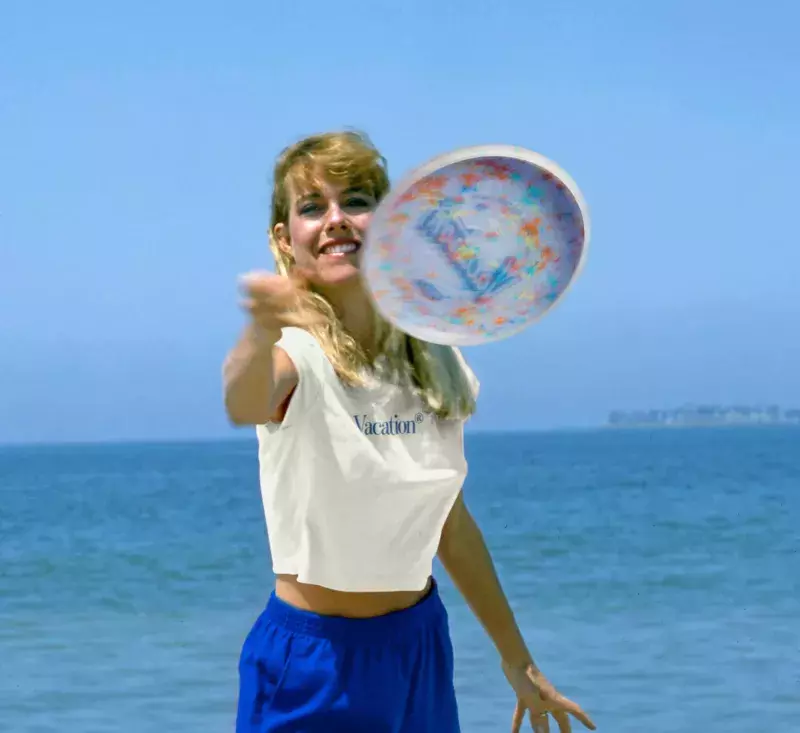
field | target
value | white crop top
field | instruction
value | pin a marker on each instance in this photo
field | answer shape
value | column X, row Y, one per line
column 356, row 482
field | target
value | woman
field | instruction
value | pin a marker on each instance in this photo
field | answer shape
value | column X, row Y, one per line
column 360, row 431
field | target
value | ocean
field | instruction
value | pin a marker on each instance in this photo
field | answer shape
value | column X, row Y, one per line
column 655, row 574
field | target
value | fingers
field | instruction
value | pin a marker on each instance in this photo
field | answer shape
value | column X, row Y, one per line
column 564, row 707
column 518, row 717
column 536, row 694
column 540, row 722
column 273, row 301
column 585, row 719
column 560, row 708
column 567, row 707
column 266, row 285
column 255, row 280
column 562, row 718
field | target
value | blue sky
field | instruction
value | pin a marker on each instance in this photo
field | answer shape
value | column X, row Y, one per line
column 136, row 145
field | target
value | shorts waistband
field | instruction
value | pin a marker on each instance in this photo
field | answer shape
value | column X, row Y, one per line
column 396, row 625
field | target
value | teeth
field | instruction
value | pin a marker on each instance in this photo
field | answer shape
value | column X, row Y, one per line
column 344, row 249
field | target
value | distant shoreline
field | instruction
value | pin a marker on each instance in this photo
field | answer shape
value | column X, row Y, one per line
column 695, row 426
column 695, row 416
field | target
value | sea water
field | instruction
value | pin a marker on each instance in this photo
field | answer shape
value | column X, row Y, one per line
column 655, row 575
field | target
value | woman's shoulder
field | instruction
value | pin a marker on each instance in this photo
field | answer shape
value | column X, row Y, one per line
column 292, row 335
column 298, row 340
column 469, row 374
column 304, row 350
column 453, row 362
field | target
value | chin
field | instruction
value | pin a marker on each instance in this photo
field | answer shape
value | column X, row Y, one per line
column 344, row 274
column 341, row 277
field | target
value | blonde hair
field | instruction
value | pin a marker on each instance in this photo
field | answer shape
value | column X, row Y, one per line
column 438, row 373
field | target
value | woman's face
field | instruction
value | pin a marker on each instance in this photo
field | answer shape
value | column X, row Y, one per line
column 326, row 230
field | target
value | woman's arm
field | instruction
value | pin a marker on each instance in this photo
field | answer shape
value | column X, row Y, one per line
column 463, row 553
column 258, row 378
column 466, row 558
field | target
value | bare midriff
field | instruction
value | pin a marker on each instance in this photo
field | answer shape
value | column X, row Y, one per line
column 327, row 602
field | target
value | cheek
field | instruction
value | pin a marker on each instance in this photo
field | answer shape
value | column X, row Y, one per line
column 303, row 235
column 362, row 221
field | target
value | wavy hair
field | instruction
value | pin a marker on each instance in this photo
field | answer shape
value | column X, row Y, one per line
column 438, row 373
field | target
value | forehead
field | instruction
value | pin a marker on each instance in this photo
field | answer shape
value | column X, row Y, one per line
column 306, row 182
column 324, row 190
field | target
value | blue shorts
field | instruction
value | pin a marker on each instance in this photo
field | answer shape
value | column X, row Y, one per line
column 306, row 673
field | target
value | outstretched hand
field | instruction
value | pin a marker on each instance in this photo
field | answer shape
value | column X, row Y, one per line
column 273, row 301
column 537, row 696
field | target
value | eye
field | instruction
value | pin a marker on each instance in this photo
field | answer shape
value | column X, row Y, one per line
column 358, row 202
column 309, row 208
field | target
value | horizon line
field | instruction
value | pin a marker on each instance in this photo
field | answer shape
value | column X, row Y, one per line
column 595, row 427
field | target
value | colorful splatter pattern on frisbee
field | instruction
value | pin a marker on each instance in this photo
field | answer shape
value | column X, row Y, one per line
column 475, row 250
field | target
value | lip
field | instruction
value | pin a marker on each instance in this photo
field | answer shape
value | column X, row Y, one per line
column 342, row 240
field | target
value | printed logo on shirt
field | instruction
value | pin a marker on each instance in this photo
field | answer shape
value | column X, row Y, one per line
column 394, row 426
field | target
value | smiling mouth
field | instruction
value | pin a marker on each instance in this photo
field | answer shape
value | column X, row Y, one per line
column 340, row 248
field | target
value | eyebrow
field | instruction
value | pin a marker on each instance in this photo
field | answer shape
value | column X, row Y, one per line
column 356, row 189
column 312, row 195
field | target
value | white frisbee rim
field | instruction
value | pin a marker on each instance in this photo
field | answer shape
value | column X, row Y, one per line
column 384, row 209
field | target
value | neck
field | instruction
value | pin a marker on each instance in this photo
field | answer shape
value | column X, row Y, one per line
column 357, row 315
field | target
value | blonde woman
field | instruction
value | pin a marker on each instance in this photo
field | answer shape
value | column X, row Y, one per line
column 360, row 431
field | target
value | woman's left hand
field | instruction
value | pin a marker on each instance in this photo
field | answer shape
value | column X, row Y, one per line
column 539, row 698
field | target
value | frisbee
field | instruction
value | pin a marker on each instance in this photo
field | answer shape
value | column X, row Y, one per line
column 475, row 245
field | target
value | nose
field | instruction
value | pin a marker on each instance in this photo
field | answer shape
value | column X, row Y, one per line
column 336, row 220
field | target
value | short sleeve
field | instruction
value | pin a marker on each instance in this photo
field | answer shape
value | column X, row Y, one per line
column 469, row 375
column 307, row 356
column 300, row 347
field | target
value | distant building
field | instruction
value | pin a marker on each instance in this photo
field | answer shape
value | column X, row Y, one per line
column 697, row 415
